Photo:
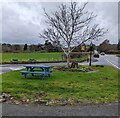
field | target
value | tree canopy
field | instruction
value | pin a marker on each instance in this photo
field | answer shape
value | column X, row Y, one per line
column 71, row 25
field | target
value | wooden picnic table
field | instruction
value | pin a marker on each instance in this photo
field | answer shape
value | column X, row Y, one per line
column 37, row 69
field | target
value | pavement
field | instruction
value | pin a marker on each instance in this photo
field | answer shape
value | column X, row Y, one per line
column 110, row 109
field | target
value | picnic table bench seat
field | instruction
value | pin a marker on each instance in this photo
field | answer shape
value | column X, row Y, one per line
column 28, row 72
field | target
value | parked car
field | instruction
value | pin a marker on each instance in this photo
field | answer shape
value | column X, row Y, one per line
column 102, row 53
column 96, row 55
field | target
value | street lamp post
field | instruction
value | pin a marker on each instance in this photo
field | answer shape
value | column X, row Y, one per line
column 90, row 50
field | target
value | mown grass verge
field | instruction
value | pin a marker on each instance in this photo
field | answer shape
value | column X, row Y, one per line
column 7, row 57
column 36, row 56
column 98, row 87
column 118, row 55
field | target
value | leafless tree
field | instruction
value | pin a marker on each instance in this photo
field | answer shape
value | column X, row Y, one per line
column 71, row 26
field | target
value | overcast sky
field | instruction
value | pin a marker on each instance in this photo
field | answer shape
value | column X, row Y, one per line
column 23, row 21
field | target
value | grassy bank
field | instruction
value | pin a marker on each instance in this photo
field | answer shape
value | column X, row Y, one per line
column 100, row 86
column 118, row 55
column 39, row 57
column 6, row 57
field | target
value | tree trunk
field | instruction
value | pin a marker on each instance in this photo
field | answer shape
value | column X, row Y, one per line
column 68, row 60
column 90, row 58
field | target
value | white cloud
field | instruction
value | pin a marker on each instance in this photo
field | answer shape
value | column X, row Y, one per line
column 58, row 0
column 22, row 21
column 107, row 17
column 0, row 23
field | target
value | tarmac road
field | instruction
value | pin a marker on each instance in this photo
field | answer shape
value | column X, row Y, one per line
column 89, row 110
column 10, row 67
column 111, row 60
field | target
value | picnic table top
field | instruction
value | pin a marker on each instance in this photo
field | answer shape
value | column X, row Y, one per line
column 37, row 66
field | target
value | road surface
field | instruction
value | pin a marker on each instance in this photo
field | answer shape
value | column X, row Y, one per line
column 109, row 60
column 89, row 110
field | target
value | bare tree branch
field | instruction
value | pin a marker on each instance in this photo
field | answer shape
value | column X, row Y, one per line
column 71, row 25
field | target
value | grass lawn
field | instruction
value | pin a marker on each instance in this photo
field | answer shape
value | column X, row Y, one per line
column 41, row 57
column 118, row 55
column 6, row 57
column 100, row 86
